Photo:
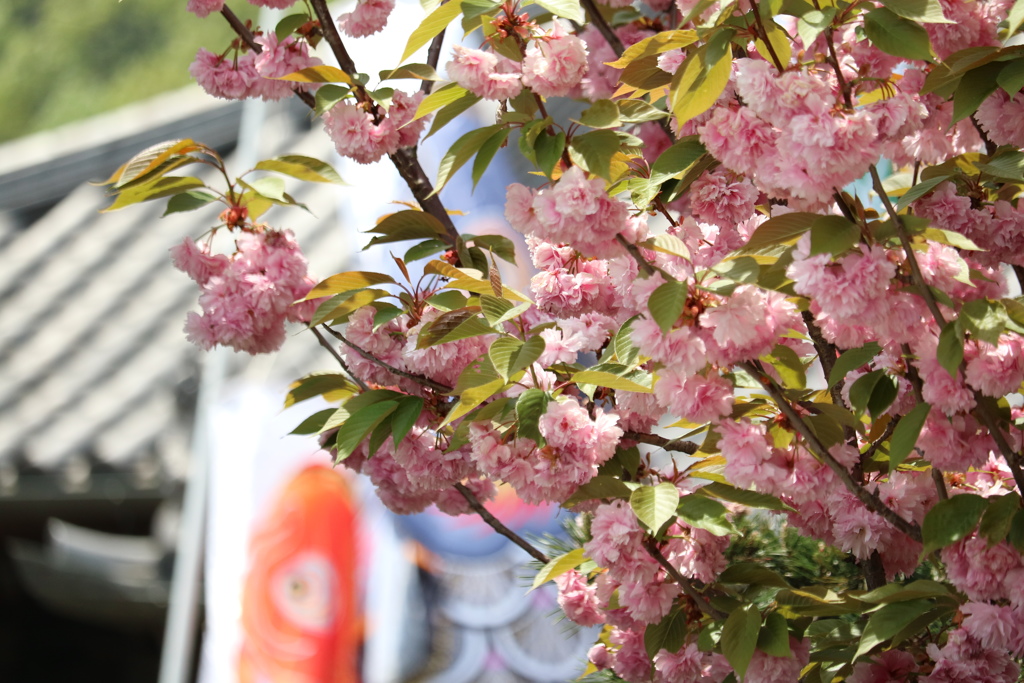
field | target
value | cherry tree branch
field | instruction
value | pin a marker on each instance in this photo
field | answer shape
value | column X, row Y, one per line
column 677, row 445
column 496, row 524
column 691, row 592
column 419, row 379
column 433, row 56
column 870, row 500
column 987, row 417
column 337, row 356
column 606, row 31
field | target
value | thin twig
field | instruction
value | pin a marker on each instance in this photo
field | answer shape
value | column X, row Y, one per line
column 419, row 379
column 870, row 500
column 496, row 524
column 678, row 445
column 652, row 549
column 646, row 267
column 337, row 356
column 764, row 37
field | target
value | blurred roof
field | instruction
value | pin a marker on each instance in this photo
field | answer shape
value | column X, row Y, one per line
column 97, row 380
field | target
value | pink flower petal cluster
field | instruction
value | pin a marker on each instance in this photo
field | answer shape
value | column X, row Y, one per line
column 788, row 137
column 765, row 668
column 995, row 627
column 357, row 136
column 720, row 197
column 845, row 289
column 575, row 211
column 223, row 77
column 368, row 17
column 985, row 572
column 578, row 599
column 280, row 58
column 963, row 658
column 246, row 298
column 891, row 666
column 1000, row 116
column 555, row 64
column 202, row 8
column 485, row 74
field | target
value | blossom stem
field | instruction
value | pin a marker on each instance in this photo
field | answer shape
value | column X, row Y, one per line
column 337, row 356
column 688, row 588
column 646, row 267
column 870, row 500
column 496, row 524
column 419, row 379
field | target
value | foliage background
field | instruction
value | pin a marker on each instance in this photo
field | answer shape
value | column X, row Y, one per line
column 62, row 61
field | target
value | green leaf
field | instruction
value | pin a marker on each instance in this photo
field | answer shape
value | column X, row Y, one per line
column 461, row 323
column 359, row 424
column 322, row 73
column 451, row 111
column 705, row 513
column 594, row 151
column 635, row 380
column 653, row 46
column 699, row 82
column 1016, row 535
column 1008, row 166
column 985, row 319
column 486, row 155
column 314, row 423
column 638, row 111
column 774, row 636
column 332, row 386
column 405, row 416
column 951, row 520
column 897, row 36
column 666, row 304
column 165, row 186
column 950, row 352
column 904, row 437
column 302, row 167
column 851, row 360
column 329, row 95
column 788, row 365
column 752, row 574
column 1011, row 78
column 998, row 518
column 188, row 201
column 567, row 9
column 600, row 487
column 888, row 621
column 503, row 247
column 920, row 190
column 406, row 225
column 676, row 159
column 862, row 390
column 502, row 353
column 974, row 88
column 668, row 634
column 530, row 405
column 812, row 23
column 558, row 566
column 424, row 249
column 548, row 150
column 655, row 505
column 270, row 187
column 669, row 244
column 441, row 97
column 346, row 282
column 601, row 114
column 626, row 352
column 420, row 72
column 448, row 300
column 463, row 149
column 924, row 11
column 434, row 23
column 1015, row 18
column 751, row 499
column 739, row 638
column 784, row 229
column 833, row 235
column 882, row 396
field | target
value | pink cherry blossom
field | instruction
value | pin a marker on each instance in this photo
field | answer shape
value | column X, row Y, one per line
column 368, row 17
column 555, row 64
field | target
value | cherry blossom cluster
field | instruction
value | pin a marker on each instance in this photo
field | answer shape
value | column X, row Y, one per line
column 246, row 298
column 238, row 74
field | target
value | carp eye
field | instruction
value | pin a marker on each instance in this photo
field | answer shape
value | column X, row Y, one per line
column 305, row 591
